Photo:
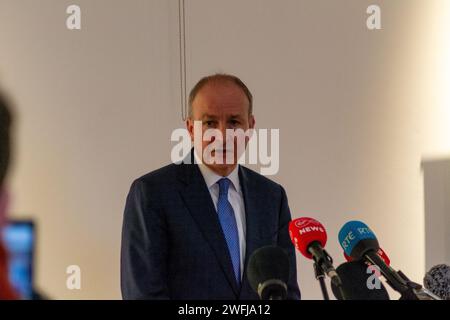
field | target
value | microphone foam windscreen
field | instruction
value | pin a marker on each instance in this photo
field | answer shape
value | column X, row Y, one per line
column 356, row 283
column 437, row 280
column 355, row 237
column 304, row 231
column 267, row 263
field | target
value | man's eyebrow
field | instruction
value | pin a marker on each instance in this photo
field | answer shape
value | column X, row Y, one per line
column 208, row 116
column 213, row 117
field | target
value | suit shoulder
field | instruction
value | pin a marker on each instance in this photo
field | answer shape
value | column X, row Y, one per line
column 261, row 180
column 153, row 187
column 158, row 177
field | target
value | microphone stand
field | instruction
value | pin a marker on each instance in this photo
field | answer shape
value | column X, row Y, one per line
column 415, row 291
column 408, row 289
column 320, row 276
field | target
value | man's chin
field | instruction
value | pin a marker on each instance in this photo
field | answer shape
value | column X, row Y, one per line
column 223, row 164
column 221, row 158
column 221, row 169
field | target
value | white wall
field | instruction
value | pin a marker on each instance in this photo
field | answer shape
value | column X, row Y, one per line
column 437, row 212
column 357, row 111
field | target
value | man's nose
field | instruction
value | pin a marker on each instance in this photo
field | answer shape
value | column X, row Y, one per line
column 223, row 129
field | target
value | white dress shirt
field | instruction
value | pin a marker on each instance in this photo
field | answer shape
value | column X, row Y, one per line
column 235, row 197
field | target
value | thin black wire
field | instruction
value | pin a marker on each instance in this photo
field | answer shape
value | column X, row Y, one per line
column 184, row 55
column 182, row 42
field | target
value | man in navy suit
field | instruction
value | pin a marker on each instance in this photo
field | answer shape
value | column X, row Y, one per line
column 190, row 228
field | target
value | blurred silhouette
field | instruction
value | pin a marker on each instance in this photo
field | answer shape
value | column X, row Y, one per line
column 6, row 290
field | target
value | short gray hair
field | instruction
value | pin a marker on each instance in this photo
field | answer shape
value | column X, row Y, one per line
column 220, row 77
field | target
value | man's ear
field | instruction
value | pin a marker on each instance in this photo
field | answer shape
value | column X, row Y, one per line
column 190, row 127
column 251, row 122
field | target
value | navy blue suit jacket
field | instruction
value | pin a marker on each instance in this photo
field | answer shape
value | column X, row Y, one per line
column 172, row 242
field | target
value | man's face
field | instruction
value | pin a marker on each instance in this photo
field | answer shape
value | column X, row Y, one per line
column 221, row 106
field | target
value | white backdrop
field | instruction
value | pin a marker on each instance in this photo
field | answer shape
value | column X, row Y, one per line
column 357, row 111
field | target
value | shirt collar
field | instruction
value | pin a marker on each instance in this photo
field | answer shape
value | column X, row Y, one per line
column 211, row 177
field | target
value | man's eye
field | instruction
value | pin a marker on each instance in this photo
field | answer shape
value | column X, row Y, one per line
column 209, row 123
column 234, row 122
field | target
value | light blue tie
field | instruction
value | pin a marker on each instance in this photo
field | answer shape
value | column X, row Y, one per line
column 229, row 226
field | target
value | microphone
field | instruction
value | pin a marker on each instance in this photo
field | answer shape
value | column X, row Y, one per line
column 437, row 280
column 310, row 237
column 359, row 242
column 355, row 283
column 268, row 273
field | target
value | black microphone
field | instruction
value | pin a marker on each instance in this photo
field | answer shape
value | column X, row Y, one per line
column 355, row 283
column 268, row 273
column 359, row 242
column 437, row 280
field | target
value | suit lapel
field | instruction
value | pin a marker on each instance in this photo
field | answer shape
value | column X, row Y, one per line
column 198, row 201
column 252, row 215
